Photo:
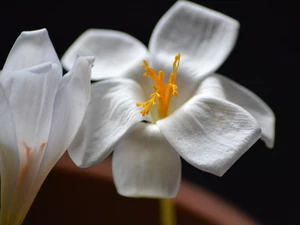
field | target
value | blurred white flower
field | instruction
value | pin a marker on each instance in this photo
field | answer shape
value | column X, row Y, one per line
column 210, row 123
column 40, row 113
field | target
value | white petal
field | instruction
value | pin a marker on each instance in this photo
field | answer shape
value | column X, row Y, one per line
column 110, row 114
column 222, row 87
column 23, row 193
column 146, row 165
column 70, row 105
column 116, row 53
column 8, row 140
column 203, row 36
column 210, row 133
column 30, row 94
column 30, row 49
column 9, row 156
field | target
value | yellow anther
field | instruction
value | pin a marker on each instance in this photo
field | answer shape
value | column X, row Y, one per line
column 176, row 63
column 174, row 87
column 161, row 74
column 162, row 93
column 147, row 104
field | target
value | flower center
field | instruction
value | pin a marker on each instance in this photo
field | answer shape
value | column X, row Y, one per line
column 162, row 92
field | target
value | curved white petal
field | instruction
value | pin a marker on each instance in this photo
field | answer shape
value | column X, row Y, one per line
column 210, row 133
column 30, row 94
column 222, row 87
column 203, row 36
column 9, row 156
column 70, row 104
column 30, row 49
column 69, row 107
column 146, row 165
column 116, row 53
column 110, row 114
column 23, row 194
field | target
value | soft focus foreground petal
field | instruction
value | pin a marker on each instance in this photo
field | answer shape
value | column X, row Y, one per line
column 222, row 87
column 30, row 94
column 116, row 53
column 146, row 165
column 202, row 36
column 70, row 104
column 210, row 133
column 110, row 114
column 23, row 194
column 30, row 49
column 9, row 156
column 69, row 107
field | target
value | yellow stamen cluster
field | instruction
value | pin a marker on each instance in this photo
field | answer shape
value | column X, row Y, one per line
column 162, row 93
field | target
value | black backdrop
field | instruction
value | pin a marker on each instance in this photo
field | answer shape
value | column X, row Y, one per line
column 263, row 182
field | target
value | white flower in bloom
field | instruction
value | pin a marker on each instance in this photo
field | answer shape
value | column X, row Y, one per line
column 40, row 114
column 185, row 109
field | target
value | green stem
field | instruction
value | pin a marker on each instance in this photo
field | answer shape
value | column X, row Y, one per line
column 167, row 212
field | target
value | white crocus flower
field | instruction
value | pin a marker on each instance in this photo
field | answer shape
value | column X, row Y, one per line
column 40, row 113
column 210, row 124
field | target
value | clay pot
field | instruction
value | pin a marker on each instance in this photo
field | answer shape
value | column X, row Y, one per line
column 74, row 196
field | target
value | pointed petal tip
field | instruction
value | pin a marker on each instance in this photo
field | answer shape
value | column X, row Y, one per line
column 256, row 135
column 83, row 161
column 89, row 59
column 269, row 143
column 31, row 48
column 268, row 136
column 28, row 34
column 75, row 160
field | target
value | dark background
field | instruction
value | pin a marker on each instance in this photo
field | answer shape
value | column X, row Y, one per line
column 263, row 183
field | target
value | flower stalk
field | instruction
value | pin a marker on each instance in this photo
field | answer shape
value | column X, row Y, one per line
column 167, row 212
